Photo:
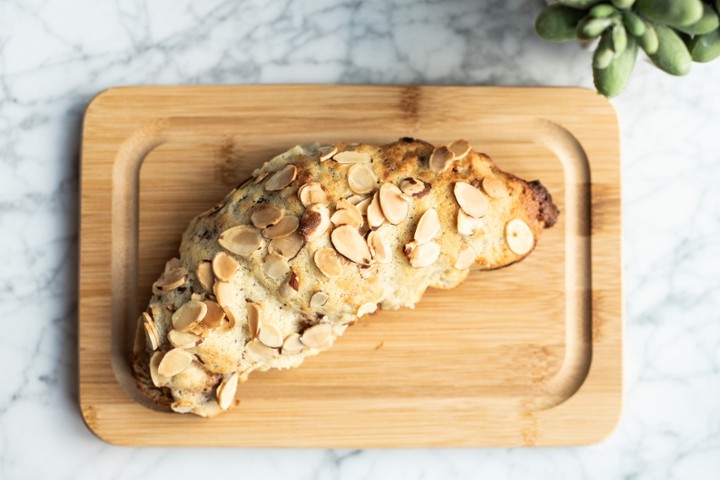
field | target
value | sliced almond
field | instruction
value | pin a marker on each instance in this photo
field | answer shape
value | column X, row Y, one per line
column 214, row 316
column 351, row 156
column 157, row 379
column 428, row 226
column 370, row 271
column 260, row 177
column 423, row 255
column 318, row 300
column 140, row 343
column 467, row 225
column 188, row 315
column 361, row 178
column 366, row 308
column 287, row 225
column 326, row 152
column 255, row 316
column 226, row 391
column 441, row 159
column 172, row 264
column 174, row 362
column 339, row 330
column 257, row 348
column 153, row 337
column 270, row 335
column 394, row 207
column 282, row 178
column 204, row 275
column 224, row 293
column 363, row 205
column 316, row 335
column 241, row 240
column 224, row 266
column 346, row 217
column 312, row 193
column 375, row 215
column 460, row 148
column 275, row 266
column 465, row 258
column 352, row 210
column 183, row 339
column 328, row 262
column 355, row 198
column 349, row 243
column 494, row 187
column 378, row 246
column 266, row 215
column 292, row 344
column 290, row 286
column 172, row 279
column 287, row 247
column 232, row 315
column 414, row 187
column 470, row 199
column 315, row 221
column 519, row 236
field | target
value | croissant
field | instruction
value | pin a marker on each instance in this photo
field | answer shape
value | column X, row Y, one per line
column 318, row 237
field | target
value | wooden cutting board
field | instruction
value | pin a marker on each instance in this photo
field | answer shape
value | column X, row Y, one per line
column 527, row 355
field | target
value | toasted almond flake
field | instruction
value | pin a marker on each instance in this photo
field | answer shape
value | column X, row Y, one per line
column 153, row 337
column 204, row 275
column 255, row 316
column 282, row 178
column 226, row 391
column 519, row 236
column 470, row 199
column 241, row 240
column 270, row 335
column 351, row 156
column 283, row 228
column 338, row 330
column 370, row 270
column 361, row 178
column 328, row 262
column 260, row 177
column 188, row 315
column 266, row 215
column 460, row 148
column 183, row 339
column 157, row 379
column 316, row 335
column 375, row 215
column 257, row 348
column 424, row 255
column 465, row 258
column 214, row 316
column 378, row 246
column 441, row 159
column 140, row 343
column 349, row 243
column 224, row 266
column 232, row 315
column 326, row 152
column 494, row 187
column 172, row 264
column 315, row 221
column 428, row 226
column 292, row 344
column 351, row 209
column 174, row 362
column 287, row 247
column 290, row 286
column 363, row 205
column 393, row 206
column 224, row 293
column 275, row 266
column 318, row 300
column 346, row 217
column 312, row 193
column 414, row 187
column 182, row 406
column 366, row 308
column 355, row 198
column 467, row 225
column 172, row 279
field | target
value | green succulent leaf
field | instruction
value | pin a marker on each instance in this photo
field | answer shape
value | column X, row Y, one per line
column 634, row 24
column 648, row 41
column 558, row 23
column 623, row 3
column 611, row 80
column 580, row 4
column 675, row 13
column 705, row 48
column 707, row 23
column 672, row 55
column 593, row 27
column 602, row 10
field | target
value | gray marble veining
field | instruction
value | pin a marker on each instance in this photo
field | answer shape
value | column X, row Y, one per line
column 55, row 55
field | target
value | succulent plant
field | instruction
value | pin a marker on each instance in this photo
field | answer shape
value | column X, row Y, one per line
column 672, row 33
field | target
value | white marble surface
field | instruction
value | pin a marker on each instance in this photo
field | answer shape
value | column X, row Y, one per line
column 56, row 54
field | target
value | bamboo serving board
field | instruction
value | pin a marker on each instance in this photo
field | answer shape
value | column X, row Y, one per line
column 526, row 355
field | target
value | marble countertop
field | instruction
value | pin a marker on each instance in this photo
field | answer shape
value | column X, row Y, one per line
column 55, row 55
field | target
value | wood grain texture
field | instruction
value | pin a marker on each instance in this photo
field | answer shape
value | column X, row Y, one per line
column 526, row 355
